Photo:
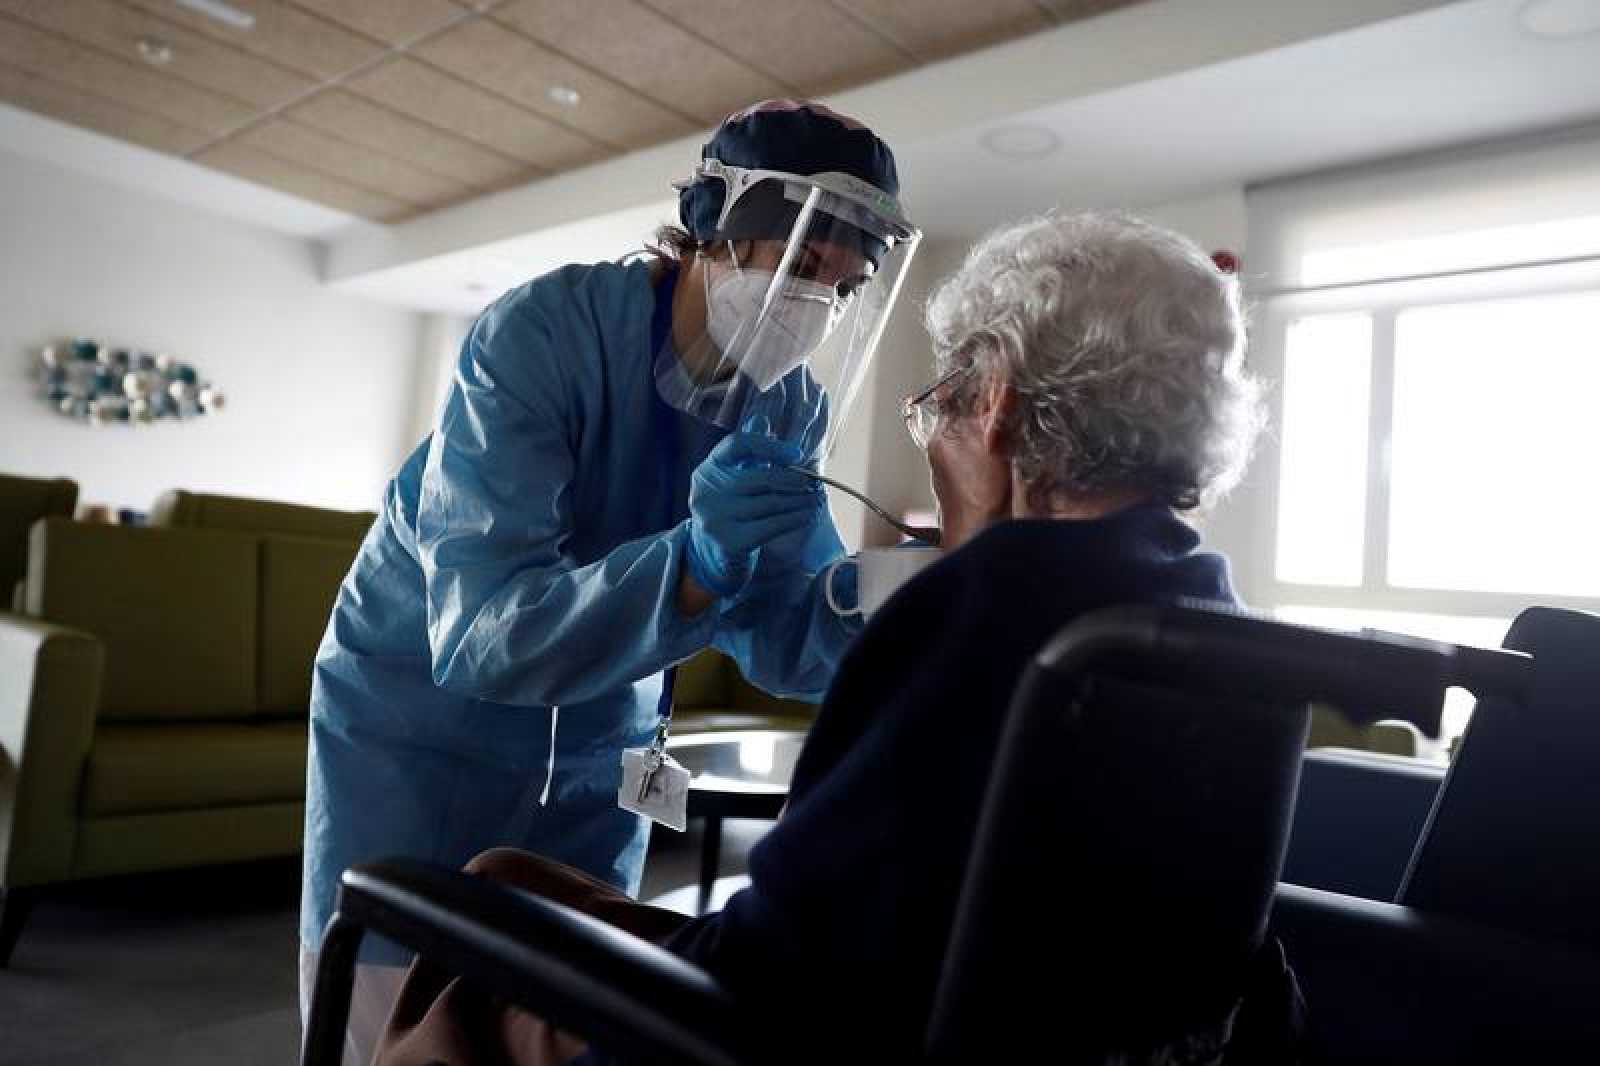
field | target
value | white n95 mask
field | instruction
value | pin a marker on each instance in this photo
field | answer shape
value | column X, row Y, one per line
column 768, row 336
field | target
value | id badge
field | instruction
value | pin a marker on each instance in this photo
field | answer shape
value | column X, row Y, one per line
column 655, row 785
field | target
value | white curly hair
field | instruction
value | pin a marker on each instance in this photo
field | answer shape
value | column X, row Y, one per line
column 1125, row 346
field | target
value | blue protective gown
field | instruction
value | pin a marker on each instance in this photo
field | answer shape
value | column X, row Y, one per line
column 502, row 633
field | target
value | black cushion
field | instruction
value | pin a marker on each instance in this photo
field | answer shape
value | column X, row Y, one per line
column 1386, row 983
column 1513, row 838
column 1357, row 819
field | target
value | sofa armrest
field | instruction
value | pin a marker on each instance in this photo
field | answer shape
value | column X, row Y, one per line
column 49, row 697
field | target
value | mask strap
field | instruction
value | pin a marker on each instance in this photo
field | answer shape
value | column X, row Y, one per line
column 705, row 274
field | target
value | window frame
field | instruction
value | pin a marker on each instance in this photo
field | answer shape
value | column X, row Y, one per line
column 1273, row 313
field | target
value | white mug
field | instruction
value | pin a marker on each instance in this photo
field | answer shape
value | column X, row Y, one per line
column 879, row 572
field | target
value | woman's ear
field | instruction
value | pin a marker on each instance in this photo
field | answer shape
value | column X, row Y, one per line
column 996, row 405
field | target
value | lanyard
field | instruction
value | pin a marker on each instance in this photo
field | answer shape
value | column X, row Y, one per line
column 666, row 446
column 665, row 442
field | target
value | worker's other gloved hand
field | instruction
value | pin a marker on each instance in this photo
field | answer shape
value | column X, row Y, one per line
column 740, row 498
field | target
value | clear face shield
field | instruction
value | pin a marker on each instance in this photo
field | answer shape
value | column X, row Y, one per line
column 799, row 283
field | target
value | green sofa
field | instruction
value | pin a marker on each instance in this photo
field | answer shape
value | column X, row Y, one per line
column 154, row 694
column 1330, row 729
column 23, row 501
column 710, row 695
column 201, row 510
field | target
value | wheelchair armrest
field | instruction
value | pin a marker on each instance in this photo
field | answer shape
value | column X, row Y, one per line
column 626, row 995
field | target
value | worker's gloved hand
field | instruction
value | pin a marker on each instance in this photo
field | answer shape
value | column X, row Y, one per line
column 743, row 497
column 795, row 408
column 809, row 548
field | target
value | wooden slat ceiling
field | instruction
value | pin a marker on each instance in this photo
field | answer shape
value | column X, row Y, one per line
column 391, row 108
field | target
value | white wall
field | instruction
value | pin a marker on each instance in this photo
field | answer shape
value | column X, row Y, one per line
column 321, row 386
column 439, row 340
column 867, row 455
column 1214, row 222
column 897, row 470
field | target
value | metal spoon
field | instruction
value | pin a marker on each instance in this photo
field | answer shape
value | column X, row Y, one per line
column 923, row 533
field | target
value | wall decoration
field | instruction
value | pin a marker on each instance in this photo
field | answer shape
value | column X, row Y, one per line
column 98, row 384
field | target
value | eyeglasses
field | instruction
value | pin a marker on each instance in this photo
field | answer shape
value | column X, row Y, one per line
column 921, row 412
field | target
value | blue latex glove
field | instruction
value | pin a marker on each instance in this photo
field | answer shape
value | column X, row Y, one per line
column 807, row 549
column 795, row 408
column 740, row 498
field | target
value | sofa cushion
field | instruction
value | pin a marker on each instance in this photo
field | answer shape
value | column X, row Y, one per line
column 176, row 609
column 167, row 840
column 1357, row 818
column 134, row 769
column 204, row 510
column 703, row 680
column 300, row 577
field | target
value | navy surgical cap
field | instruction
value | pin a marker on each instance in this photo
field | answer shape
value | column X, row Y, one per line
column 794, row 136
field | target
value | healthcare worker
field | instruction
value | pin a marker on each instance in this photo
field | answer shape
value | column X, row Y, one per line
column 608, row 489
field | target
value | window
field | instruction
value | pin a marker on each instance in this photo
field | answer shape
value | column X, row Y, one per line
column 1437, row 423
column 1322, row 484
column 1494, row 445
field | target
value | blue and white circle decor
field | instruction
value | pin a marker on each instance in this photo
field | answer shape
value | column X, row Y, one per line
column 93, row 383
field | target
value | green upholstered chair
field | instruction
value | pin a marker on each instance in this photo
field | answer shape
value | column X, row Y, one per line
column 1329, row 729
column 23, row 501
column 710, row 695
column 154, row 699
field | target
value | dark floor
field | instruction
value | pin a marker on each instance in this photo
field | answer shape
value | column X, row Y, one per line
column 199, row 967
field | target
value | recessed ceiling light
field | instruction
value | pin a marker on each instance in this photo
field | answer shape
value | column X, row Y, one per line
column 1020, row 142
column 225, row 13
column 155, row 51
column 565, row 95
column 1558, row 19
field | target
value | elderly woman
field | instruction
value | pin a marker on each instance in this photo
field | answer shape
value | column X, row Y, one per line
column 1088, row 390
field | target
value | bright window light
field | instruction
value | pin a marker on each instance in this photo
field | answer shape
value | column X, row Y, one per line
column 1322, row 490
column 1495, row 446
